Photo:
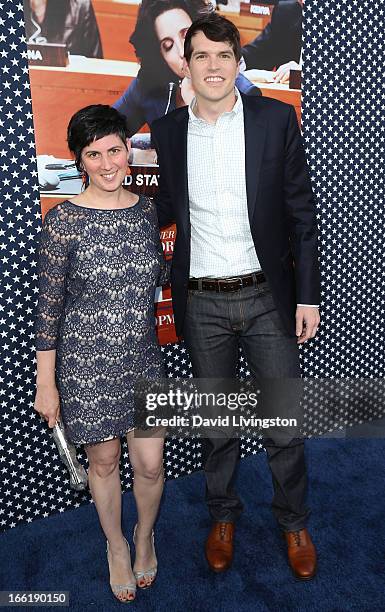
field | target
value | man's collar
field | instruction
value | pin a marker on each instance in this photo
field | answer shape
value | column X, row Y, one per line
column 237, row 108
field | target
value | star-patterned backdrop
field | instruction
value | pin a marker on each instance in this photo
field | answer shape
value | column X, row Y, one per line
column 343, row 110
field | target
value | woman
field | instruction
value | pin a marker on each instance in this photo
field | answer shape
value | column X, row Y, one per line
column 160, row 86
column 100, row 261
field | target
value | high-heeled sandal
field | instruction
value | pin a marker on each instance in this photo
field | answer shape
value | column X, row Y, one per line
column 119, row 588
column 149, row 573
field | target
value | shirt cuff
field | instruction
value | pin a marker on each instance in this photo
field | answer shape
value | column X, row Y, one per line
column 310, row 305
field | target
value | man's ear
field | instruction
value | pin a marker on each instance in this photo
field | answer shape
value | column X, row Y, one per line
column 186, row 69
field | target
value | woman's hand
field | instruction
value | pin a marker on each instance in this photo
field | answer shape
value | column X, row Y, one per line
column 187, row 91
column 47, row 403
column 282, row 74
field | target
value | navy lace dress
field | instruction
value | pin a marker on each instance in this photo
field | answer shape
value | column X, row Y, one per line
column 98, row 271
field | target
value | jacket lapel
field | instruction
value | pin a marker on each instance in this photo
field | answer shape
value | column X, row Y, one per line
column 179, row 162
column 255, row 135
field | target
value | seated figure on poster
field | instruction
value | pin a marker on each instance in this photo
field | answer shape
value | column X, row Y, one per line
column 69, row 22
column 279, row 45
column 161, row 85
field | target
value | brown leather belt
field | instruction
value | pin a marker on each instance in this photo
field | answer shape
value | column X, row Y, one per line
column 227, row 284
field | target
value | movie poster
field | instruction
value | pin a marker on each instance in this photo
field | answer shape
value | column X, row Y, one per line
column 129, row 55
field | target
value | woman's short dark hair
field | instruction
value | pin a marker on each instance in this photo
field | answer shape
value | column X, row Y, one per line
column 216, row 28
column 91, row 123
column 154, row 70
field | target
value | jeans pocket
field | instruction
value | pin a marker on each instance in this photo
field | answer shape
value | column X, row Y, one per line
column 262, row 289
column 190, row 295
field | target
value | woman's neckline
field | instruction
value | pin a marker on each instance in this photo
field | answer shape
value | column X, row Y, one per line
column 104, row 209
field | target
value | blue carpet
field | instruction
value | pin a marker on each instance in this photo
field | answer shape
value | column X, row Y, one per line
column 67, row 551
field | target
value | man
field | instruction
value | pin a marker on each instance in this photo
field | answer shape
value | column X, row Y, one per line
column 245, row 261
column 279, row 45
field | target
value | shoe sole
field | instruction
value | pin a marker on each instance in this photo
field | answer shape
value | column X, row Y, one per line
column 304, row 578
column 218, row 571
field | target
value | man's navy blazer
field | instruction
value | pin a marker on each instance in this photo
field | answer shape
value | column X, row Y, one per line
column 280, row 202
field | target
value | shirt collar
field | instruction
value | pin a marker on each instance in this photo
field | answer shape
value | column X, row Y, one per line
column 237, row 108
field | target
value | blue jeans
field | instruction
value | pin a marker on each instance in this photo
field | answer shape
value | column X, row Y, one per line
column 216, row 324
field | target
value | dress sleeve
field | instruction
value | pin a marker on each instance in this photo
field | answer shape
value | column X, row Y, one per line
column 52, row 274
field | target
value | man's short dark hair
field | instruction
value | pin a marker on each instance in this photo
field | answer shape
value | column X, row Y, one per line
column 216, row 28
column 91, row 123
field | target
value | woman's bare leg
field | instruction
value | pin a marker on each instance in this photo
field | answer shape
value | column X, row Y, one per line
column 104, row 483
column 146, row 458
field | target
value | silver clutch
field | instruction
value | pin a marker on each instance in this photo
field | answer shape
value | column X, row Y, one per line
column 67, row 452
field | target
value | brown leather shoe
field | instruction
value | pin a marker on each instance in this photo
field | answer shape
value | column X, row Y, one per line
column 302, row 554
column 219, row 546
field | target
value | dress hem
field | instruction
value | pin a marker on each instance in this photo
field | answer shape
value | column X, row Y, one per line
column 111, row 437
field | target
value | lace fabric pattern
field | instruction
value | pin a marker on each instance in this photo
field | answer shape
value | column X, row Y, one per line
column 98, row 271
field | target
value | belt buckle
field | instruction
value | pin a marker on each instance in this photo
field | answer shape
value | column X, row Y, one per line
column 227, row 281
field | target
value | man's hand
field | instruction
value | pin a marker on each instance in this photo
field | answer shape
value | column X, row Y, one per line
column 306, row 323
column 282, row 74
